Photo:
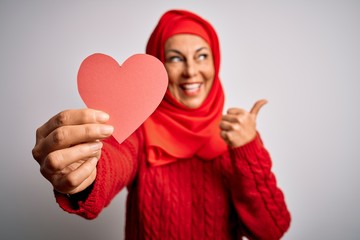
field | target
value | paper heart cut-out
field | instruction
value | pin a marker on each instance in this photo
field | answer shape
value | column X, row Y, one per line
column 129, row 93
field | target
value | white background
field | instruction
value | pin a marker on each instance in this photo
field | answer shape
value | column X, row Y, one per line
column 303, row 56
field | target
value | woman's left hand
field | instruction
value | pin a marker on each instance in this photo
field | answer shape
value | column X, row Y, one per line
column 238, row 126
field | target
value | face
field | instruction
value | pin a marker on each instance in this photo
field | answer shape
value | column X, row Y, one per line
column 190, row 67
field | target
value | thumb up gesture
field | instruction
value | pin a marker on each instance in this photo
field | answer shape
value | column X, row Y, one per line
column 238, row 126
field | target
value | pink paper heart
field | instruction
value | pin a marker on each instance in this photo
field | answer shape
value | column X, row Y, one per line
column 129, row 93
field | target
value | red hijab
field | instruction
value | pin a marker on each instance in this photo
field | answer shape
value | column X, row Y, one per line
column 175, row 131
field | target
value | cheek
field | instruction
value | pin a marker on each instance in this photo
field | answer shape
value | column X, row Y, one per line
column 210, row 74
column 173, row 74
column 173, row 88
column 209, row 69
column 172, row 80
column 172, row 85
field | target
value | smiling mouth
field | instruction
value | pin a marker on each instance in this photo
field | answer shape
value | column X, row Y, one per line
column 191, row 88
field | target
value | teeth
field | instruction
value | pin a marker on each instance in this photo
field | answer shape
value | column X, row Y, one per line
column 191, row 86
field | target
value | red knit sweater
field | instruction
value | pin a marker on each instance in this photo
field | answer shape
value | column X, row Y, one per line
column 232, row 196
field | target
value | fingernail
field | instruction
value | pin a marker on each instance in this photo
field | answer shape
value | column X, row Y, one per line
column 107, row 129
column 96, row 146
column 102, row 117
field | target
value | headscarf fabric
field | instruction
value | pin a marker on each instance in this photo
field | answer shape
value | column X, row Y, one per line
column 174, row 131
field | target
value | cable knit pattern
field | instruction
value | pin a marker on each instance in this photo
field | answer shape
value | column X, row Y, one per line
column 172, row 203
column 232, row 196
column 258, row 192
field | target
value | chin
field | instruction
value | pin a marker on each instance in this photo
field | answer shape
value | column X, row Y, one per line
column 193, row 104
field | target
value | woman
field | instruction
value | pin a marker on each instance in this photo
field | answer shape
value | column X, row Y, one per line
column 190, row 172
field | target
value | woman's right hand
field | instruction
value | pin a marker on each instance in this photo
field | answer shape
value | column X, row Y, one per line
column 67, row 148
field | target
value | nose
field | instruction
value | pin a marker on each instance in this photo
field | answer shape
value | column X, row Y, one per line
column 190, row 69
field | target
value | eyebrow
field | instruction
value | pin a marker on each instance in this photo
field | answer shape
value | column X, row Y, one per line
column 178, row 52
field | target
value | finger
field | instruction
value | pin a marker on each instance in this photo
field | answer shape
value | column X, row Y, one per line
column 72, row 181
column 223, row 134
column 58, row 160
column 227, row 137
column 67, row 136
column 225, row 126
column 257, row 106
column 71, row 117
column 235, row 111
column 230, row 118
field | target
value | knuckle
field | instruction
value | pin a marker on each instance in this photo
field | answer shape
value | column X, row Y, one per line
column 72, row 180
column 88, row 115
column 38, row 134
column 62, row 118
column 54, row 161
column 59, row 135
column 82, row 114
column 36, row 153
column 236, row 127
column 229, row 137
column 44, row 171
column 90, row 131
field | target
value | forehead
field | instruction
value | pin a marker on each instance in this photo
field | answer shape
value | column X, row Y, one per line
column 185, row 42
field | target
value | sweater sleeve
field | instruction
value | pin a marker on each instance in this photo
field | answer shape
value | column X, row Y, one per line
column 116, row 169
column 259, row 203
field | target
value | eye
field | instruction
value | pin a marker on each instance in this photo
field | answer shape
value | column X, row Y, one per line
column 202, row 57
column 174, row 59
